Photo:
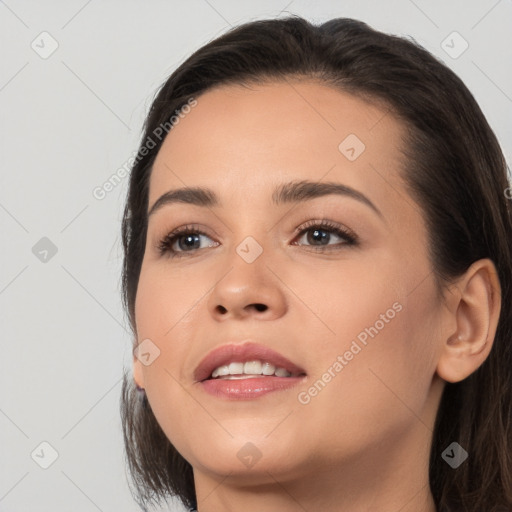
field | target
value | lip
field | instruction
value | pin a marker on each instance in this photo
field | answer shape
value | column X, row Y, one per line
column 249, row 388
column 248, row 351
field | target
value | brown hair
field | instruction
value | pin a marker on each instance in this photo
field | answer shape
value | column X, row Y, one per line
column 456, row 173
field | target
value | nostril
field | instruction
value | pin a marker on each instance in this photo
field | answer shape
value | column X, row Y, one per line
column 258, row 307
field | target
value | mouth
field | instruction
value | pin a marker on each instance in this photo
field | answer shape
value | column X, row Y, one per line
column 246, row 371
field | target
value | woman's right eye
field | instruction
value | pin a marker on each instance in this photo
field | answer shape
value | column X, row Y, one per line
column 181, row 241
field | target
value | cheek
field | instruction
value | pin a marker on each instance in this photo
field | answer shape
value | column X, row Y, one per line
column 377, row 350
column 382, row 380
column 165, row 299
column 165, row 308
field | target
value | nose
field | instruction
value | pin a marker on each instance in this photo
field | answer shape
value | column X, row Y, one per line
column 248, row 290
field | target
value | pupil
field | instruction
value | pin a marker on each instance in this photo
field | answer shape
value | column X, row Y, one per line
column 190, row 238
column 323, row 236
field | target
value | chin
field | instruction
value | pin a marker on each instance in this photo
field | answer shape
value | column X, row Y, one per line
column 242, row 456
column 246, row 472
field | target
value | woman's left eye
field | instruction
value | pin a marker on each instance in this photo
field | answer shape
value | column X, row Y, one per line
column 319, row 234
column 316, row 234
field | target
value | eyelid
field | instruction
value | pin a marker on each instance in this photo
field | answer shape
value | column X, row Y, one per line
column 187, row 226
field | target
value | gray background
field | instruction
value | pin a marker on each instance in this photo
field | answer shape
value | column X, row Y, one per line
column 68, row 122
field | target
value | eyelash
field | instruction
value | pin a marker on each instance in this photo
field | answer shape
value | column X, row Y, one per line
column 351, row 239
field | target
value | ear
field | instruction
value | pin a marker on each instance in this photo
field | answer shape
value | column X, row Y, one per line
column 474, row 310
column 138, row 371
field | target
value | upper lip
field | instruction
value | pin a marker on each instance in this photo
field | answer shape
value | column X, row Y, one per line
column 248, row 351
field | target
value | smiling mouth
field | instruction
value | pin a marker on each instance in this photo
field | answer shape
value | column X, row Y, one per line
column 246, row 371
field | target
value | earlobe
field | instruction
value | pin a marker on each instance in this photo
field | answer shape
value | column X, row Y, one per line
column 476, row 318
column 138, row 373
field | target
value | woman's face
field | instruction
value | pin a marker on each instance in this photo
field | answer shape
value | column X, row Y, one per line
column 357, row 318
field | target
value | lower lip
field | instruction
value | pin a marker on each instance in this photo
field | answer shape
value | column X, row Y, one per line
column 250, row 388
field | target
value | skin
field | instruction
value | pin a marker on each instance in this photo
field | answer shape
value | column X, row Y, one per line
column 363, row 442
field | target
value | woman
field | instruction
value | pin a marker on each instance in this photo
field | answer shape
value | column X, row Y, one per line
column 317, row 273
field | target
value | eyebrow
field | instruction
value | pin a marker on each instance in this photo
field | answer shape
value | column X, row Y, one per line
column 292, row 192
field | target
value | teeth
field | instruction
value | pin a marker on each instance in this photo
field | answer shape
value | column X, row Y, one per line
column 253, row 368
column 236, row 368
column 268, row 369
column 281, row 372
column 221, row 371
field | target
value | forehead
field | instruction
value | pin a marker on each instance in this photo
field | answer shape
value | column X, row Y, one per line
column 243, row 141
